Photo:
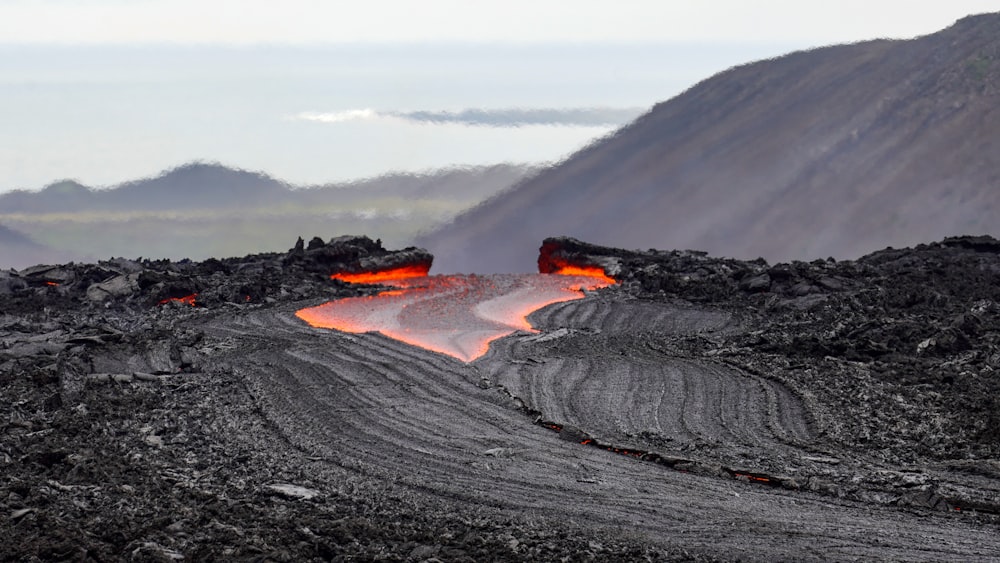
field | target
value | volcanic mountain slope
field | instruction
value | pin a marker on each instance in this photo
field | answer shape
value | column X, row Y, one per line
column 835, row 151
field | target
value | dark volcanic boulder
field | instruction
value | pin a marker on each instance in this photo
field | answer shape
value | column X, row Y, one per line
column 356, row 254
column 301, row 273
column 557, row 253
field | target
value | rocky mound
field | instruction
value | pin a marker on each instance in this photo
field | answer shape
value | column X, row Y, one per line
column 898, row 349
column 829, row 152
column 303, row 272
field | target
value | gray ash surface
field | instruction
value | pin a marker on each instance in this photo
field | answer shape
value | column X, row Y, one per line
column 822, row 410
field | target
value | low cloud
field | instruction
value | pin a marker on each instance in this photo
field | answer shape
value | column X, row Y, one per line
column 339, row 116
column 513, row 117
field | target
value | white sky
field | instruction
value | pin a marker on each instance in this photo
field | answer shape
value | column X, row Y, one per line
column 326, row 21
column 118, row 111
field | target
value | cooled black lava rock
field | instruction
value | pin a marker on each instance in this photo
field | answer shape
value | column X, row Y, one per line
column 355, row 254
column 299, row 273
column 123, row 434
column 924, row 322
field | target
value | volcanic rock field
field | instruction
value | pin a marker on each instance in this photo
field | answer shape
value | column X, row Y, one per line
column 697, row 409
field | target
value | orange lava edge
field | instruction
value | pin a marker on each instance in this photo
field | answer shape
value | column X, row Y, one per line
column 518, row 319
column 588, row 271
column 187, row 299
column 402, row 273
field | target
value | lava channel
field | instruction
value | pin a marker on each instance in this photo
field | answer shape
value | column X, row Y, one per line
column 457, row 315
column 384, row 276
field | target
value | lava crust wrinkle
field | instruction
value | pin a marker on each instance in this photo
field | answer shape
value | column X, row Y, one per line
column 429, row 424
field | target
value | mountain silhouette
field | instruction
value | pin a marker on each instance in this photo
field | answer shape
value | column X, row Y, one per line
column 194, row 185
column 201, row 210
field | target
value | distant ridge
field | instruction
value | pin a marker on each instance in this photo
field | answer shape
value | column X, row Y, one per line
column 193, row 185
column 835, row 151
column 200, row 185
column 201, row 210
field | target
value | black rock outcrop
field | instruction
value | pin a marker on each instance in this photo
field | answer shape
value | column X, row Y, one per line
column 271, row 277
column 917, row 330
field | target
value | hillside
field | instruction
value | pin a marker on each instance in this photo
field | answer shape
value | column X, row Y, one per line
column 18, row 249
column 201, row 210
column 15, row 247
column 835, row 151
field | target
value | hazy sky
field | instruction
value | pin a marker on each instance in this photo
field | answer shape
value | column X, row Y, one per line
column 105, row 91
column 322, row 21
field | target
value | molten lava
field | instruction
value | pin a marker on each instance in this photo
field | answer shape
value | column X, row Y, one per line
column 187, row 299
column 752, row 477
column 457, row 315
column 395, row 274
column 586, row 271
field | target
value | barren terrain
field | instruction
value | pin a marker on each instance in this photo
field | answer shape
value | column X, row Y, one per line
column 696, row 411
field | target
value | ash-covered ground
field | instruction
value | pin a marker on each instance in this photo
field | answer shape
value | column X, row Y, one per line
column 702, row 409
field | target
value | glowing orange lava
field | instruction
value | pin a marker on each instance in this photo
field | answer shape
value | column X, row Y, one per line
column 751, row 477
column 52, row 284
column 402, row 273
column 549, row 264
column 457, row 315
column 188, row 299
column 586, row 271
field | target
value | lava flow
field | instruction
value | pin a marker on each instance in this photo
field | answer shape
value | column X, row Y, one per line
column 587, row 271
column 187, row 299
column 394, row 274
column 457, row 315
